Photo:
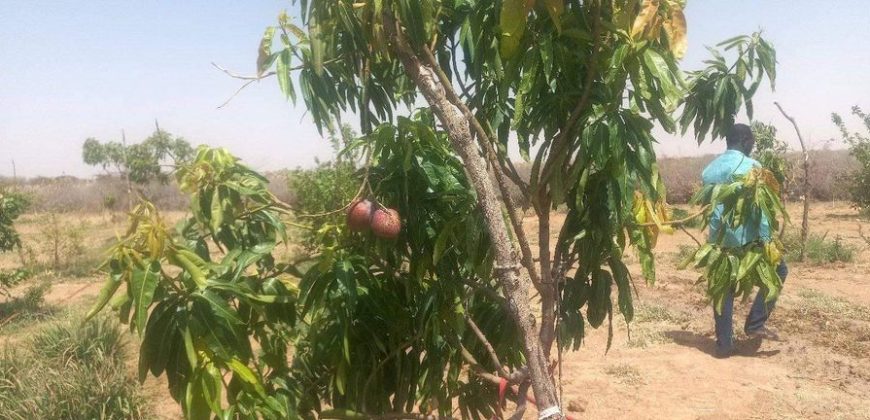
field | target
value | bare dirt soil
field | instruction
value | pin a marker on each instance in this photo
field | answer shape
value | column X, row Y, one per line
column 666, row 369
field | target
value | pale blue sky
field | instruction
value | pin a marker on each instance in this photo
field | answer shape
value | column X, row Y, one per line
column 76, row 69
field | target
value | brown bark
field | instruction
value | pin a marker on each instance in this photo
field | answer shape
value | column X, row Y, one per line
column 507, row 267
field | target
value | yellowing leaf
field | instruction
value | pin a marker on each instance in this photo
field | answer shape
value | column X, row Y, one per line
column 512, row 19
column 265, row 50
column 675, row 27
column 646, row 18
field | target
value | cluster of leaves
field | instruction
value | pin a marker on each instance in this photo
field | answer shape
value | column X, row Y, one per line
column 770, row 152
column 380, row 322
column 859, row 148
column 140, row 162
column 717, row 92
column 745, row 203
column 205, row 296
column 12, row 205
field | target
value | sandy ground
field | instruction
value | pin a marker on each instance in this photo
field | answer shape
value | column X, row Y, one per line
column 666, row 369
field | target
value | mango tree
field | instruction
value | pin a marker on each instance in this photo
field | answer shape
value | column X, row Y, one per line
column 577, row 86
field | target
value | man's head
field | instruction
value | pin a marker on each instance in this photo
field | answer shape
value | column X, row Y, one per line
column 739, row 137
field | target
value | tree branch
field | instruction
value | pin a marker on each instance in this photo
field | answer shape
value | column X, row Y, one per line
column 561, row 140
column 243, row 77
column 251, row 79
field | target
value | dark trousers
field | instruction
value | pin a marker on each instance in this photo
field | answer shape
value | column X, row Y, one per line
column 758, row 315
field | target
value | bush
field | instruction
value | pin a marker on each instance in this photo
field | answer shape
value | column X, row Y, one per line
column 28, row 306
column 12, row 204
column 324, row 189
column 859, row 148
column 819, row 249
column 11, row 278
column 90, row 342
column 79, row 374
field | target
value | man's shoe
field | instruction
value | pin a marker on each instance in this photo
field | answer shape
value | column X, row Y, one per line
column 764, row 333
column 724, row 353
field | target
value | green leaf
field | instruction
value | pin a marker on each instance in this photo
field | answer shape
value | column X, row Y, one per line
column 246, row 374
column 219, row 306
column 217, row 212
column 622, row 277
column 282, row 70
column 599, row 299
column 189, row 349
column 110, row 286
column 211, row 385
column 143, row 283
column 317, row 46
column 441, row 241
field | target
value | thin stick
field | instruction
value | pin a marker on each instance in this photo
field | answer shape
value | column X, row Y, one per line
column 805, row 225
column 690, row 235
column 256, row 78
column 486, row 344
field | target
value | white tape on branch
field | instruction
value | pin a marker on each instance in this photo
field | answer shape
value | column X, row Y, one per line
column 548, row 412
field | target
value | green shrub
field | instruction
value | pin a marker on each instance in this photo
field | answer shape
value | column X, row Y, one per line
column 859, row 148
column 12, row 204
column 79, row 374
column 99, row 338
column 28, row 306
column 12, row 278
column 324, row 189
column 819, row 249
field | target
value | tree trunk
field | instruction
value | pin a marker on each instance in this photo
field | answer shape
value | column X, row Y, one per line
column 548, row 289
column 507, row 267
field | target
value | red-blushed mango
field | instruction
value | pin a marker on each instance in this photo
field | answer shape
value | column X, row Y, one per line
column 386, row 223
column 359, row 215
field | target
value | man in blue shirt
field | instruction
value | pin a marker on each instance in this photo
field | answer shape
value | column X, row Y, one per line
column 722, row 170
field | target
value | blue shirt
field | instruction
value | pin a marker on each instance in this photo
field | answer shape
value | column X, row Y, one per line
column 723, row 170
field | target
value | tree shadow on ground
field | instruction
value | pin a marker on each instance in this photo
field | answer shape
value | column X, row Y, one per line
column 708, row 345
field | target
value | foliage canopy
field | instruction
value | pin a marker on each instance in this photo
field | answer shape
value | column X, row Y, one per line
column 141, row 162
